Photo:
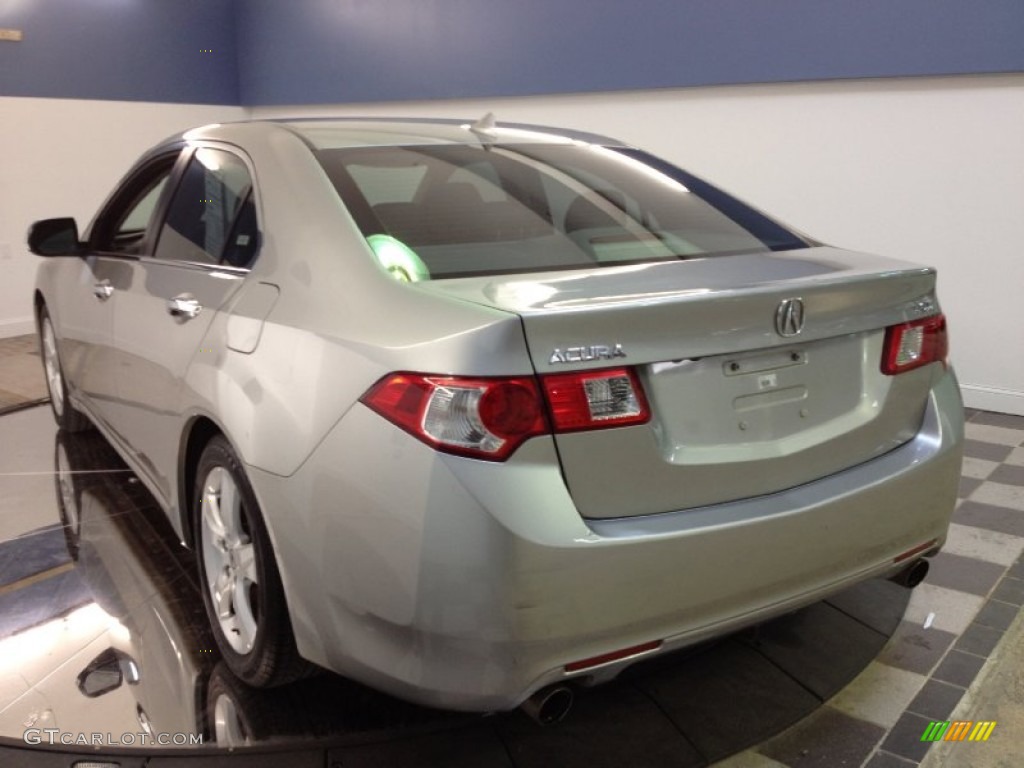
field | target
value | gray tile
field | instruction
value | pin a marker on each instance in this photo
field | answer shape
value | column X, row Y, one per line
column 979, row 640
column 761, row 699
column 997, row 614
column 826, row 739
column 990, row 517
column 992, row 419
column 965, row 574
column 478, row 747
column 819, row 646
column 905, row 737
column 878, row 603
column 1000, row 495
column 971, row 413
column 612, row 726
column 997, row 435
column 936, row 700
column 888, row 760
column 915, row 649
column 959, row 668
column 1008, row 474
column 991, row 546
column 1017, row 569
column 1010, row 590
column 976, row 449
column 968, row 485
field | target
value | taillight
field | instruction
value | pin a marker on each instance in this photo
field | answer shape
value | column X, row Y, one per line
column 484, row 418
column 488, row 418
column 911, row 345
column 595, row 399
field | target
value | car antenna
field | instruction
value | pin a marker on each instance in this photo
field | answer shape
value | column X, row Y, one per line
column 484, row 127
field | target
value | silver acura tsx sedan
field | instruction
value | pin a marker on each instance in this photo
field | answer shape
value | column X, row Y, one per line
column 466, row 411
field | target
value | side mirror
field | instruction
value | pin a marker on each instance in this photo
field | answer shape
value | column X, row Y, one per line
column 54, row 237
column 106, row 673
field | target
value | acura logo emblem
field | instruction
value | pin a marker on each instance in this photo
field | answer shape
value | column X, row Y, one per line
column 789, row 317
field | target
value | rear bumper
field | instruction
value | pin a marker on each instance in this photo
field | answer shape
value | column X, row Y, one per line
column 466, row 584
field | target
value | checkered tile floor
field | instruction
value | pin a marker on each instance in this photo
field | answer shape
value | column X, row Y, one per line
column 955, row 619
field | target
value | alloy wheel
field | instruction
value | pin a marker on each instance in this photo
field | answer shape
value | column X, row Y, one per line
column 229, row 560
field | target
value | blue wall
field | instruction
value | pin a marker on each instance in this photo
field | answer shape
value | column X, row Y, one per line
column 129, row 50
column 329, row 51
column 332, row 51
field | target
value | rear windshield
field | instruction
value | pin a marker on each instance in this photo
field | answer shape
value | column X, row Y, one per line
column 456, row 210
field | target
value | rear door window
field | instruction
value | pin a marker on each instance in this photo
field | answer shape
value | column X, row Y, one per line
column 212, row 217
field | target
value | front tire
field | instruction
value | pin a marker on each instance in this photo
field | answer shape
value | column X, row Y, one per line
column 65, row 414
column 238, row 573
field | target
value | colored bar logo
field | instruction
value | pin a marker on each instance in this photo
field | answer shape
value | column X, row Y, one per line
column 959, row 730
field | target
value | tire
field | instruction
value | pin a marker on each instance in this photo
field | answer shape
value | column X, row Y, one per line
column 65, row 414
column 238, row 573
column 240, row 716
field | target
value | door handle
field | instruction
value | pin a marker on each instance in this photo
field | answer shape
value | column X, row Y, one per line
column 103, row 290
column 184, row 307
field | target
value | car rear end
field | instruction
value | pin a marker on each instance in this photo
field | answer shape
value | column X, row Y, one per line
column 719, row 422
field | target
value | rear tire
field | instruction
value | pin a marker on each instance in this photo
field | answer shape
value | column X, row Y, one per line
column 65, row 414
column 238, row 574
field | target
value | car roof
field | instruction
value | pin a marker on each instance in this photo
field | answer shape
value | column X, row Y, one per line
column 337, row 133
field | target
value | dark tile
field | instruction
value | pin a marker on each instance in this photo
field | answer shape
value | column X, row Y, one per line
column 826, row 739
column 997, row 615
column 905, row 737
column 1008, row 474
column 988, row 451
column 878, row 603
column 478, row 747
column 1017, row 569
column 959, row 668
column 727, row 699
column 42, row 601
column 819, row 646
column 1005, row 420
column 971, row 413
column 965, row 574
column 967, row 486
column 914, row 648
column 613, row 726
column 990, row 517
column 1010, row 590
column 979, row 640
column 936, row 700
column 887, row 760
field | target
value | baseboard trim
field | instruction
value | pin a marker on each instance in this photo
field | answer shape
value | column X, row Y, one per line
column 993, row 399
column 18, row 327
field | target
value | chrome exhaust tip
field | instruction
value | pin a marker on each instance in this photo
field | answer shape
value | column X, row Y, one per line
column 912, row 575
column 549, row 705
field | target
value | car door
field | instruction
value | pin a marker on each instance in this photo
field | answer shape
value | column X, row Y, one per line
column 87, row 304
column 204, row 245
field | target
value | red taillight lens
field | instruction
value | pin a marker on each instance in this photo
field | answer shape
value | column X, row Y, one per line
column 911, row 345
column 595, row 399
column 488, row 418
column 482, row 418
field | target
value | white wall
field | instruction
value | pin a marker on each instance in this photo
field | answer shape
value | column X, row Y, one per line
column 930, row 170
column 61, row 158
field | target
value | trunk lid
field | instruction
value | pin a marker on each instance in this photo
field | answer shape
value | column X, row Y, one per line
column 738, row 409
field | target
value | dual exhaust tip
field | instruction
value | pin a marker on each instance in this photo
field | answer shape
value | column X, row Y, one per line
column 551, row 705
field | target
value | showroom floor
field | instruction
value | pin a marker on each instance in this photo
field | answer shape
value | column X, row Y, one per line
column 849, row 682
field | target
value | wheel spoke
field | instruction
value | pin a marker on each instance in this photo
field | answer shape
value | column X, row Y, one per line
column 245, row 557
column 223, row 590
column 230, row 508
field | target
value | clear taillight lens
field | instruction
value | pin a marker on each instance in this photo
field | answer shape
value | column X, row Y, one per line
column 483, row 418
column 911, row 345
column 595, row 399
column 488, row 418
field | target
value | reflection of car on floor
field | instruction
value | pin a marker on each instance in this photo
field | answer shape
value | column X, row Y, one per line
column 466, row 411
column 162, row 650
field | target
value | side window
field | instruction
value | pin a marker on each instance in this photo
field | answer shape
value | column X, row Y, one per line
column 122, row 227
column 211, row 218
